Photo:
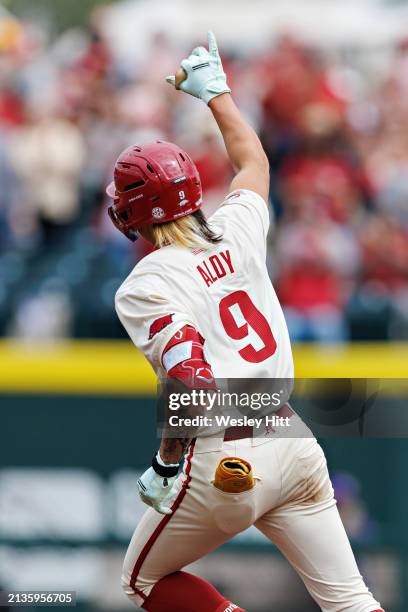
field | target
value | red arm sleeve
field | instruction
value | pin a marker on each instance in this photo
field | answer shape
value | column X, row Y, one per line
column 184, row 359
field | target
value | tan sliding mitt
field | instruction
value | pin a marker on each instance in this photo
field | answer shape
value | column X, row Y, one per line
column 233, row 475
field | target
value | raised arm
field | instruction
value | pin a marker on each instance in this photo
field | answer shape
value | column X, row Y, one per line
column 202, row 75
column 248, row 159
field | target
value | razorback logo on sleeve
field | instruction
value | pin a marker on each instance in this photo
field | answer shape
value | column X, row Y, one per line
column 160, row 324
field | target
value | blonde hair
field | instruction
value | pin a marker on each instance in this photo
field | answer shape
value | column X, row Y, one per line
column 192, row 231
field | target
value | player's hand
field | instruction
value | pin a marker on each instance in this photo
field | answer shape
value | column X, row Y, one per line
column 203, row 71
column 157, row 491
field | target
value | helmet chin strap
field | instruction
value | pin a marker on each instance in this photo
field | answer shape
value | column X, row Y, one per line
column 133, row 235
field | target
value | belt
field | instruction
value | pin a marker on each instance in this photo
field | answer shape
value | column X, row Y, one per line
column 238, row 433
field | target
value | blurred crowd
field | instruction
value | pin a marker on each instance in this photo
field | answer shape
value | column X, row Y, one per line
column 336, row 134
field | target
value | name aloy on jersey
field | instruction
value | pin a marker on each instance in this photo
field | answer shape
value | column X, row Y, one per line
column 215, row 267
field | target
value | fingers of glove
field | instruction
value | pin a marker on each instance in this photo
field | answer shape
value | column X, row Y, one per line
column 184, row 86
column 162, row 508
column 186, row 65
column 145, row 500
column 212, row 45
column 199, row 51
column 171, row 79
column 164, row 505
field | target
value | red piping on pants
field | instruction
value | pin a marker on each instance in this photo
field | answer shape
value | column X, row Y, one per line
column 147, row 547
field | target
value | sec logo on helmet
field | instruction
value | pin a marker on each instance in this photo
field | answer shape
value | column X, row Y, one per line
column 157, row 212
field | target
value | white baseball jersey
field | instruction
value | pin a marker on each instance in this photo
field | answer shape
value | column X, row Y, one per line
column 223, row 291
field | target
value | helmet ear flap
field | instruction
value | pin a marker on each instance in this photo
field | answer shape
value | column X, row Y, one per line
column 132, row 234
column 114, row 217
column 121, row 225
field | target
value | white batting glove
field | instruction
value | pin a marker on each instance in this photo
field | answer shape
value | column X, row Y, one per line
column 157, row 490
column 205, row 77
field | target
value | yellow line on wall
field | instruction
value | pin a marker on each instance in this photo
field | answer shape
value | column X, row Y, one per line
column 75, row 367
column 357, row 360
column 116, row 367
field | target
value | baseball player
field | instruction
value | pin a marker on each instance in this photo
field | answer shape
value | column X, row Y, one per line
column 202, row 307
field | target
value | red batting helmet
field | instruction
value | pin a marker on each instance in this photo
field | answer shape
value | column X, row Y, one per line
column 153, row 183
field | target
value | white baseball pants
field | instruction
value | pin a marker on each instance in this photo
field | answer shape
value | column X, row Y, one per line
column 292, row 504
